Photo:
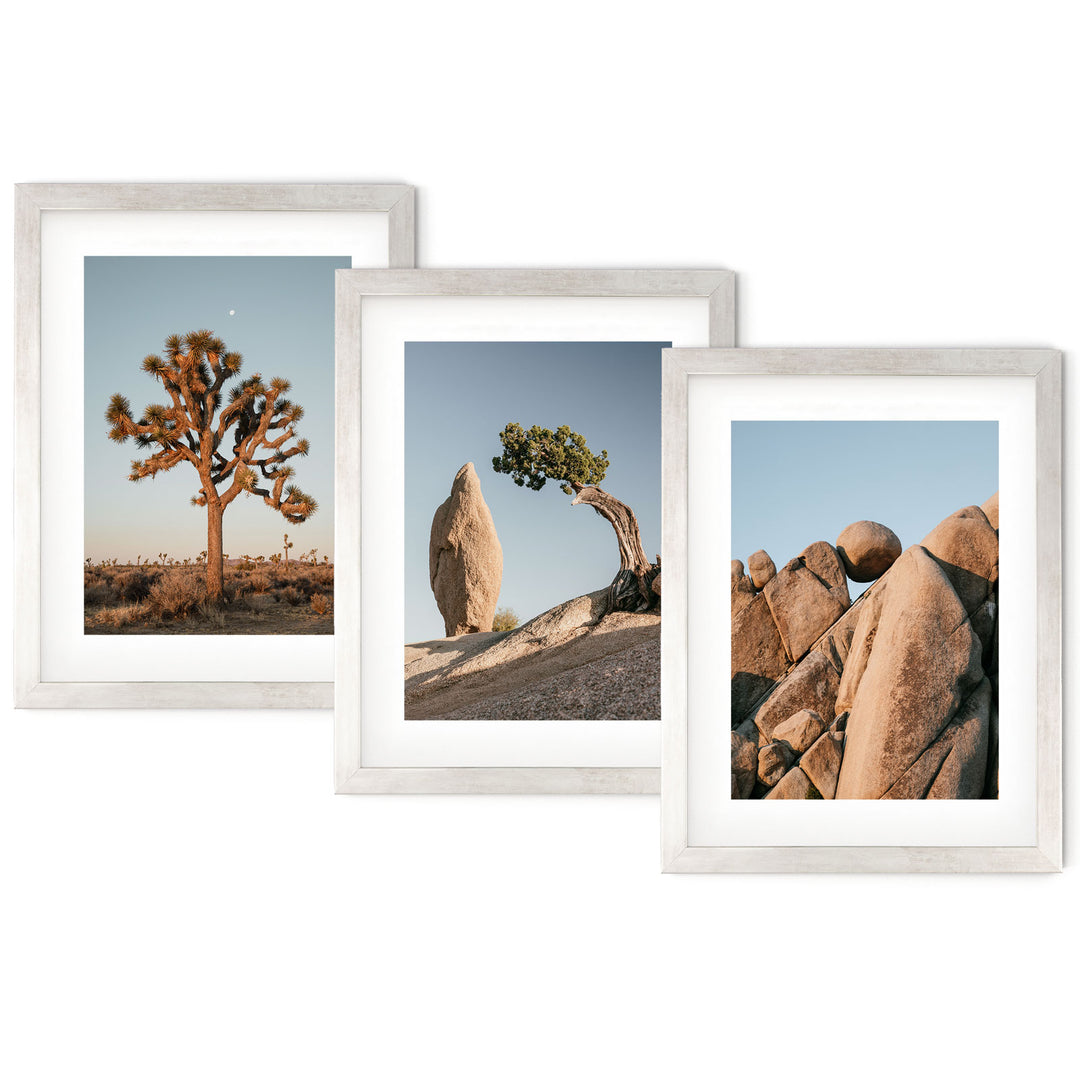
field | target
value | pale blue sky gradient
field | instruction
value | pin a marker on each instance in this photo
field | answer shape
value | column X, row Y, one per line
column 795, row 482
column 460, row 395
column 283, row 325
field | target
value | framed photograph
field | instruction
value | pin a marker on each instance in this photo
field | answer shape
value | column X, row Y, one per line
column 175, row 437
column 495, row 408
column 893, row 523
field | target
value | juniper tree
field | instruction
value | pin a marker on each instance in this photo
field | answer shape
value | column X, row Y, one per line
column 537, row 455
column 195, row 428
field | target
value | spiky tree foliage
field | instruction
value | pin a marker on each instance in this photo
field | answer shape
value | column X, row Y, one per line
column 239, row 444
column 537, row 455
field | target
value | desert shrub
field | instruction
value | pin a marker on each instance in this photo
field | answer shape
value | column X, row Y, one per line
column 97, row 595
column 212, row 614
column 102, row 588
column 176, row 595
column 324, row 576
column 304, row 585
column 320, row 604
column 291, row 596
column 505, row 619
column 259, row 582
column 125, row 616
column 134, row 586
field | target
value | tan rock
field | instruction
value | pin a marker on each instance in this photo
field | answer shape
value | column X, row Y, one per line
column 921, row 660
column 966, row 548
column 984, row 622
column 655, row 586
column 867, row 549
column 795, row 784
column 800, row 731
column 954, row 764
column 742, row 592
column 836, row 642
column 737, row 570
column 812, row 684
column 758, row 659
column 802, row 607
column 824, row 562
column 465, row 558
column 744, row 757
column 990, row 508
column 821, row 762
column 748, row 730
column 773, row 760
column 862, row 643
column 963, row 772
column 762, row 569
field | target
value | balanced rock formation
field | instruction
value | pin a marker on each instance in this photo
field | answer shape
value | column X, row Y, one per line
column 762, row 568
column 921, row 662
column 868, row 550
column 465, row 558
column 894, row 696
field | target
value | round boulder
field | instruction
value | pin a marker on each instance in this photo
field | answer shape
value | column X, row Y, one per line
column 867, row 550
column 762, row 569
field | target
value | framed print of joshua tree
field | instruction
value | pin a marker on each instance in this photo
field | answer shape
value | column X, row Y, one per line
column 179, row 340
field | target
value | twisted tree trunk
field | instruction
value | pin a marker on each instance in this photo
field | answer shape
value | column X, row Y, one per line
column 631, row 589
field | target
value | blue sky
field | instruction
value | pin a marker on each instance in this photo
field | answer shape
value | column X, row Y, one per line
column 460, row 395
column 794, row 482
column 279, row 313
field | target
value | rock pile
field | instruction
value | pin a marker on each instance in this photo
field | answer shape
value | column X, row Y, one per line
column 465, row 558
column 894, row 696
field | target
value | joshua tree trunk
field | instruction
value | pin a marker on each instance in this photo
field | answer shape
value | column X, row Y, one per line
column 215, row 568
column 631, row 589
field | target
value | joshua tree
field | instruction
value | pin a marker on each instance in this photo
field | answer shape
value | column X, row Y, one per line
column 533, row 457
column 194, row 427
column 287, row 546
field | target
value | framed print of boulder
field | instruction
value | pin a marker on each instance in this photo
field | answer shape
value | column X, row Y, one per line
column 894, row 634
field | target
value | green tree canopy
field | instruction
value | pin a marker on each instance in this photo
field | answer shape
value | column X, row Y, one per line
column 537, row 455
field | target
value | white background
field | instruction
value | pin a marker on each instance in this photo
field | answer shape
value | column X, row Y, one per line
column 181, row 894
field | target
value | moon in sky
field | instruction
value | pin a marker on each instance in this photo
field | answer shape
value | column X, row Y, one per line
column 232, row 312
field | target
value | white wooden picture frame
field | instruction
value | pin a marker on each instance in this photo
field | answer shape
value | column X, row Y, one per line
column 705, row 390
column 138, row 206
column 377, row 313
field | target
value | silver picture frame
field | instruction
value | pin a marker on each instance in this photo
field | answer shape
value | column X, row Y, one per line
column 32, row 201
column 355, row 288
column 1043, row 367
